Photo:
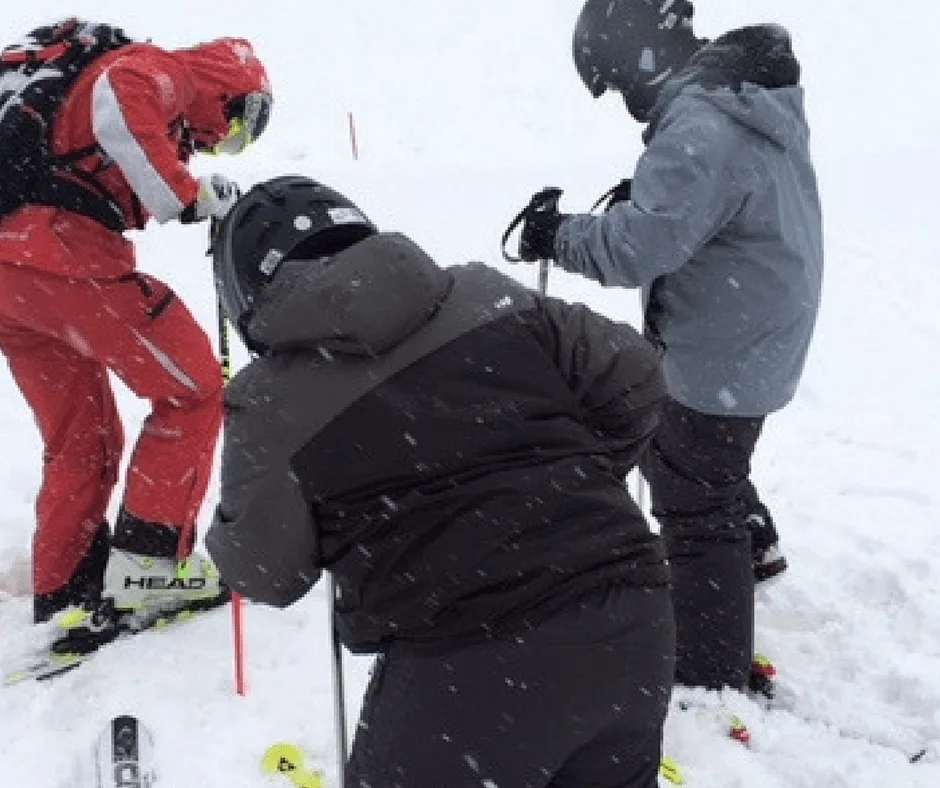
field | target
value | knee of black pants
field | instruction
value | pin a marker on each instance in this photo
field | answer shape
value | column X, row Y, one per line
column 713, row 600
column 699, row 465
column 678, row 492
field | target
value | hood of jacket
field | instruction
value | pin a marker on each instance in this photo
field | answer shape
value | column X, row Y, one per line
column 220, row 70
column 751, row 75
column 363, row 301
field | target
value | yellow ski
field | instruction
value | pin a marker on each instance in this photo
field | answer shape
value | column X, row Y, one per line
column 669, row 771
column 290, row 762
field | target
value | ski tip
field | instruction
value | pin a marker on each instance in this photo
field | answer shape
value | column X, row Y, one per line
column 283, row 757
column 670, row 771
column 42, row 667
column 739, row 732
column 290, row 762
column 123, row 755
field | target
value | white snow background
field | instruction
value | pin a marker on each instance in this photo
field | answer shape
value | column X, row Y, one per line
column 462, row 111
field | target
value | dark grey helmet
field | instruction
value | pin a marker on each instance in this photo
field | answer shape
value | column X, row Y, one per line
column 632, row 46
column 290, row 217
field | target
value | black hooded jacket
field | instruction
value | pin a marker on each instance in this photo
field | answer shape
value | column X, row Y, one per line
column 449, row 444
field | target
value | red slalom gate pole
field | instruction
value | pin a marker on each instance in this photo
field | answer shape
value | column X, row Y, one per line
column 238, row 606
column 238, row 631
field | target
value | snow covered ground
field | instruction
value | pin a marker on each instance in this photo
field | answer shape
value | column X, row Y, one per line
column 462, row 111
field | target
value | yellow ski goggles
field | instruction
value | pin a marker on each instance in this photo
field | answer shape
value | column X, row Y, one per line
column 248, row 117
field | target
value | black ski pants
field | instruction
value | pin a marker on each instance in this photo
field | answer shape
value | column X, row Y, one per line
column 577, row 701
column 698, row 468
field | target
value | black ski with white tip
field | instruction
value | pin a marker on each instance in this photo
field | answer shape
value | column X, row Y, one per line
column 124, row 755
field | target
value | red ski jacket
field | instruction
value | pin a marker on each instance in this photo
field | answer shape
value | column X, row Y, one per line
column 137, row 104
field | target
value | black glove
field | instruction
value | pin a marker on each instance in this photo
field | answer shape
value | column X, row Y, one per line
column 618, row 193
column 541, row 221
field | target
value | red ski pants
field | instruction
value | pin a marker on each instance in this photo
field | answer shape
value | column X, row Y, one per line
column 60, row 337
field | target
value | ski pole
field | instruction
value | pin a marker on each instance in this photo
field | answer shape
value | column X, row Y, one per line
column 544, row 267
column 238, row 608
column 339, row 692
column 225, row 357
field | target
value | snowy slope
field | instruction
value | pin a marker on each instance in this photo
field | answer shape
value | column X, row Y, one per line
column 463, row 110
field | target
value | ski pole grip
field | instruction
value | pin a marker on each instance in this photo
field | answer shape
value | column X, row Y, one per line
column 544, row 201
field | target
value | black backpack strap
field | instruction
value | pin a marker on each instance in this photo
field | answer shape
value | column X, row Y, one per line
column 75, row 156
column 80, row 193
column 43, row 178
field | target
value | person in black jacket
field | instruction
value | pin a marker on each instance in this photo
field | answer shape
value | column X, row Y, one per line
column 452, row 447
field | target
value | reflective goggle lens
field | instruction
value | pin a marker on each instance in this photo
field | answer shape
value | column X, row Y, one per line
column 248, row 118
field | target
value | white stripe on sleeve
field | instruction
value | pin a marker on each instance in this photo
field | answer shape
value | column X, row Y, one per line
column 110, row 129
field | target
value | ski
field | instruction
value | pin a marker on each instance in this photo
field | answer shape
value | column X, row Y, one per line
column 732, row 725
column 44, row 665
column 50, row 662
column 909, row 744
column 123, row 756
column 669, row 770
column 764, row 691
column 291, row 763
column 761, row 687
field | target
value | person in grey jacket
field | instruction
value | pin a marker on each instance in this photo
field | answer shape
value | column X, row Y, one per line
column 721, row 228
column 451, row 447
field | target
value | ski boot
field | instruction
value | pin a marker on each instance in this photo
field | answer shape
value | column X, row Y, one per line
column 140, row 592
column 146, row 588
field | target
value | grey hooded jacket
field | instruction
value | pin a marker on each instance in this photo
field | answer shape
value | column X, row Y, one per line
column 723, row 230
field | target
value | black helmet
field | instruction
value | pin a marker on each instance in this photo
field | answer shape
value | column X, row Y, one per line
column 632, row 46
column 291, row 217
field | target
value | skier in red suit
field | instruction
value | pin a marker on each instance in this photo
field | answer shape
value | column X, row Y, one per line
column 73, row 306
